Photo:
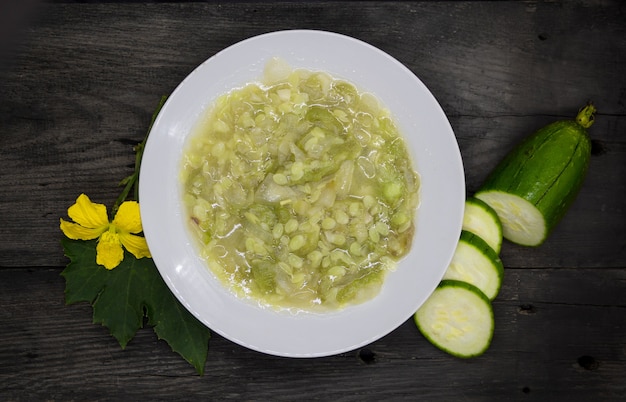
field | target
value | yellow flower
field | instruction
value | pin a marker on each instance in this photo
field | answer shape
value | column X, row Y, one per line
column 92, row 222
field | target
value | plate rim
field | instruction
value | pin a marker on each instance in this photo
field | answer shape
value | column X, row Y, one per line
column 171, row 271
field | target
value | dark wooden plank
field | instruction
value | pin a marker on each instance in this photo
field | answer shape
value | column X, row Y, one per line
column 78, row 88
column 86, row 77
column 559, row 335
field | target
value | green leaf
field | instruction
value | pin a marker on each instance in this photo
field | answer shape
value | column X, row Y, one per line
column 120, row 304
column 191, row 339
column 123, row 296
column 83, row 277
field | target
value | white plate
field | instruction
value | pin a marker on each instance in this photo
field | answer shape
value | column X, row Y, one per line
column 436, row 156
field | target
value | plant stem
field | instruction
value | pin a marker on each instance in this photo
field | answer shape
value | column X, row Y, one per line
column 133, row 180
column 586, row 116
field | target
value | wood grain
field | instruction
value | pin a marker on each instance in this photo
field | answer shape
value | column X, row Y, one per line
column 78, row 86
column 80, row 89
column 556, row 336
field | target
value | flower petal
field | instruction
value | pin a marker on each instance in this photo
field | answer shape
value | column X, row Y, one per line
column 77, row 232
column 128, row 218
column 88, row 214
column 136, row 245
column 109, row 250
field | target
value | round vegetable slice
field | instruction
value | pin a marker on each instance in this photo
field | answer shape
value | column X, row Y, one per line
column 482, row 220
column 457, row 318
column 475, row 262
column 534, row 185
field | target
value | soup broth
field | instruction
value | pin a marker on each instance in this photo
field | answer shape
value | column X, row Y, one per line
column 300, row 190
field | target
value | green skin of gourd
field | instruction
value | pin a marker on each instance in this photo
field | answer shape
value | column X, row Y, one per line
column 471, row 292
column 479, row 244
column 482, row 246
column 548, row 168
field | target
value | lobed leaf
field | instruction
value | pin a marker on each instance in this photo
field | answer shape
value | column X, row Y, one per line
column 123, row 296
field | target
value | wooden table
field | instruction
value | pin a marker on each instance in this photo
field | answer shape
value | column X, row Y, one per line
column 79, row 82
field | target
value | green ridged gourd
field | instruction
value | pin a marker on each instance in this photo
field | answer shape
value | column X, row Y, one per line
column 535, row 184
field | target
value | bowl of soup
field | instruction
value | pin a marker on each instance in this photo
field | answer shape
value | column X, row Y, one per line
column 302, row 193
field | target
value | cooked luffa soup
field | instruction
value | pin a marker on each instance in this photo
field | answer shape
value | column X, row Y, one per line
column 300, row 190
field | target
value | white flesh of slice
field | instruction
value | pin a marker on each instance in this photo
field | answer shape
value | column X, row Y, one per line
column 522, row 223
